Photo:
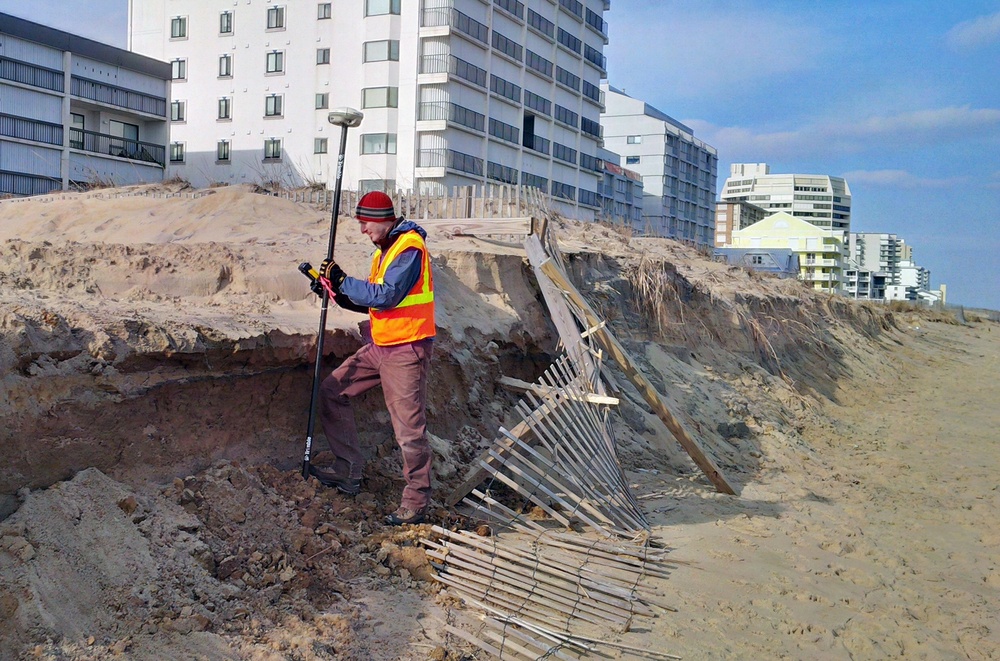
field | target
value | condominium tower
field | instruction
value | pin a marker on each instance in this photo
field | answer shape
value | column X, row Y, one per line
column 819, row 199
column 76, row 112
column 454, row 92
column 678, row 170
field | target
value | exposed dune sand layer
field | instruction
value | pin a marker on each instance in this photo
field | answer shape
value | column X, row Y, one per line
column 155, row 366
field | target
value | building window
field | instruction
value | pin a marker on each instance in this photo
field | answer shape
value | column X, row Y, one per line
column 225, row 108
column 322, row 56
column 324, row 10
column 380, row 51
column 225, row 66
column 380, row 97
column 276, row 61
column 176, row 152
column 379, row 7
column 320, row 146
column 272, row 148
column 378, row 143
column 179, row 69
column 176, row 111
column 272, row 105
column 631, row 160
column 276, row 18
column 566, row 116
column 507, row 46
column 222, row 151
column 634, row 139
column 322, row 101
column 226, row 22
column 77, row 127
column 179, row 27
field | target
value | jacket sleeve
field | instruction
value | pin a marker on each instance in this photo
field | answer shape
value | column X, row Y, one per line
column 402, row 274
column 343, row 301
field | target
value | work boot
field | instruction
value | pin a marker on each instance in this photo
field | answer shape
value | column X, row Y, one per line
column 405, row 515
column 330, row 478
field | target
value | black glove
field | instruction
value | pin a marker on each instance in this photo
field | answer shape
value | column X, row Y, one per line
column 316, row 288
column 332, row 272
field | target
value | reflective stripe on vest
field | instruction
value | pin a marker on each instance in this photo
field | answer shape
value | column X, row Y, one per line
column 413, row 318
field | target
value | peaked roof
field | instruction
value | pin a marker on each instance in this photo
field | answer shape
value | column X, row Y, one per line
column 784, row 224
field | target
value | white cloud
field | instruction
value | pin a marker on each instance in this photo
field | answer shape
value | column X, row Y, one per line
column 980, row 31
column 899, row 179
column 840, row 136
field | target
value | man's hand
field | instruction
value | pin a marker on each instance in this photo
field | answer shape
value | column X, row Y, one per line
column 332, row 272
column 316, row 288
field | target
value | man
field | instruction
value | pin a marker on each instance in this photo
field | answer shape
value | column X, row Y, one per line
column 399, row 299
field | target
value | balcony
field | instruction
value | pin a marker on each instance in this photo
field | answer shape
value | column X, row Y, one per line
column 447, row 16
column 118, row 96
column 444, row 111
column 450, row 159
column 23, row 128
column 449, row 65
column 31, row 74
column 101, row 143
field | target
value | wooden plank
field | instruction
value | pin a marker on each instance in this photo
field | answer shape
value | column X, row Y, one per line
column 518, row 385
column 621, row 356
column 562, row 317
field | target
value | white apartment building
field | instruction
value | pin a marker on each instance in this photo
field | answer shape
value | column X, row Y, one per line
column 454, row 92
column 872, row 265
column 819, row 199
column 75, row 112
column 679, row 171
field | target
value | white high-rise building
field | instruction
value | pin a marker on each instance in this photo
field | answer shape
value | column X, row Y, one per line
column 819, row 199
column 678, row 170
column 454, row 92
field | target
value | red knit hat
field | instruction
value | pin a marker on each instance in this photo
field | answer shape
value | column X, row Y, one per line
column 375, row 207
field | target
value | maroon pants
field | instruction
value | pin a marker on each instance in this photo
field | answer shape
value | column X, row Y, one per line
column 402, row 372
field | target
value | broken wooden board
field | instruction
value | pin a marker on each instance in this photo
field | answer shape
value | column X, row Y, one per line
column 524, row 386
column 621, row 356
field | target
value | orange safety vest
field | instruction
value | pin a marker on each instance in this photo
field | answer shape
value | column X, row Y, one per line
column 413, row 318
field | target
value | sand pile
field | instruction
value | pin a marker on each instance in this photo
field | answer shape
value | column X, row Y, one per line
column 155, row 367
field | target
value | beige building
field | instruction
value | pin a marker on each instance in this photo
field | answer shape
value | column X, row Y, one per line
column 820, row 251
column 731, row 216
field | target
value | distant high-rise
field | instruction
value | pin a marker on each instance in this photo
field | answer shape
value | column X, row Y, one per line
column 679, row 172
column 819, row 199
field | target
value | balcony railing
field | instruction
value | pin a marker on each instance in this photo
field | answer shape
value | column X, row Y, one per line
column 452, row 112
column 22, row 128
column 101, row 143
column 118, row 96
column 451, row 159
column 19, row 183
column 455, row 66
column 31, row 74
column 449, row 16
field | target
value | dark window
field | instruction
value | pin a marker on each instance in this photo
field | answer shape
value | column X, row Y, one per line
column 179, row 27
column 275, row 18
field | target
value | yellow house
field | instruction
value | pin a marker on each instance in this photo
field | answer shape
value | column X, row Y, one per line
column 820, row 251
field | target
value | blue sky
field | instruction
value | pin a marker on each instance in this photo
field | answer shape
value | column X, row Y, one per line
column 899, row 97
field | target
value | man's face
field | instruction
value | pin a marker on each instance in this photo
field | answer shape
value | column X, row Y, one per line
column 375, row 231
